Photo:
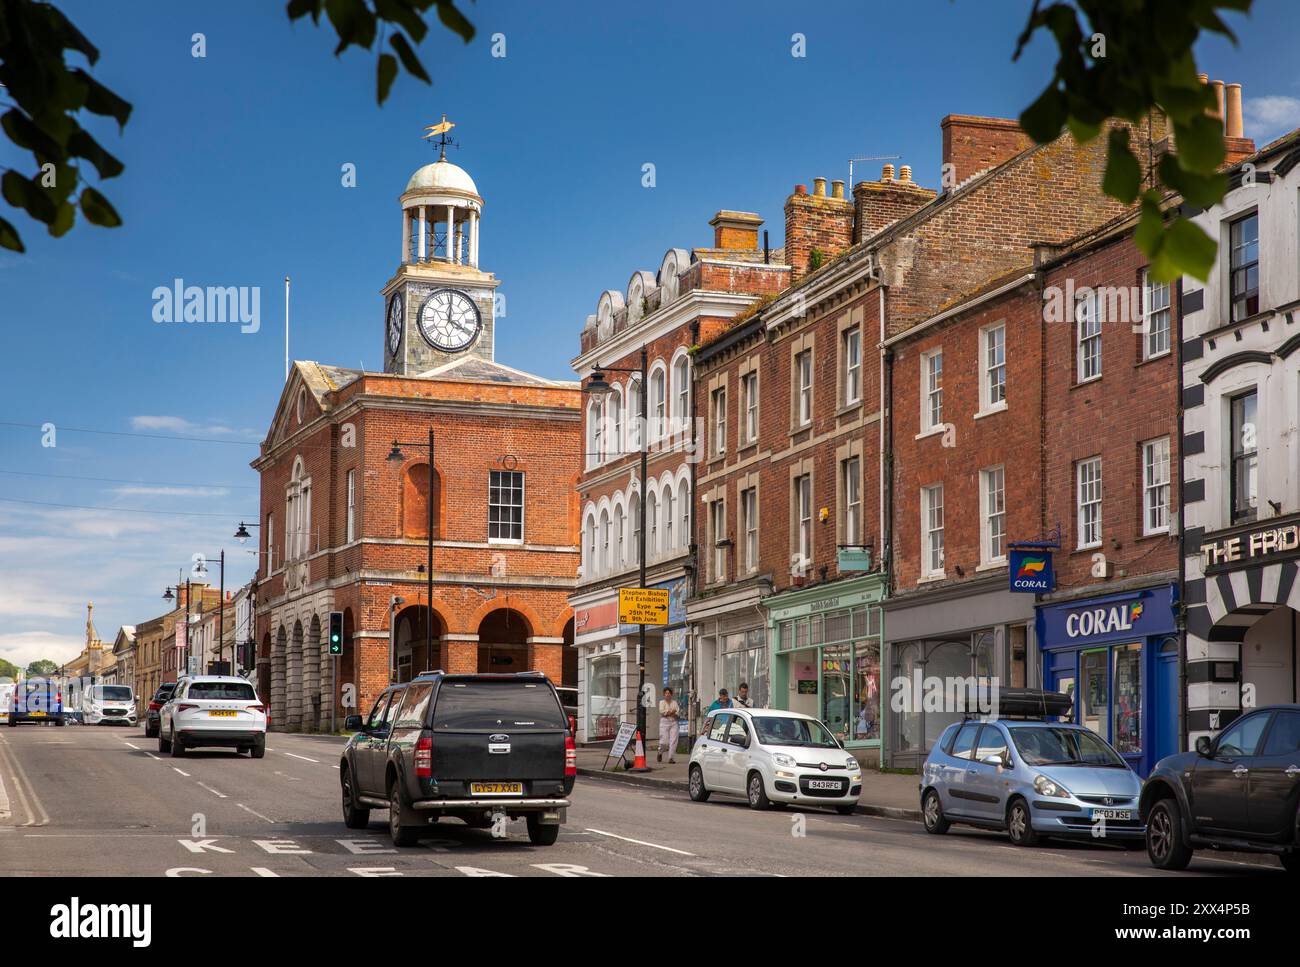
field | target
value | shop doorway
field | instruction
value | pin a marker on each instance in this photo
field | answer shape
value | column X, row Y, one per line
column 1166, row 691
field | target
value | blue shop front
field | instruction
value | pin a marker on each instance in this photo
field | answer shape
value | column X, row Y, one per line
column 1118, row 656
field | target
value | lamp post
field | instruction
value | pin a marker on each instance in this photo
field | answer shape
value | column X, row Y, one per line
column 202, row 570
column 396, row 456
column 168, row 596
column 598, row 386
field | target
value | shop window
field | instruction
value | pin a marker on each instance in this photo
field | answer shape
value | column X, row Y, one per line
column 1126, row 714
column 1094, row 704
column 604, row 697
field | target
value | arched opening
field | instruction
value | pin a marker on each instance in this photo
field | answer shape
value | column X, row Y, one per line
column 279, row 673
column 347, row 666
column 411, row 634
column 415, row 502
column 570, row 676
column 503, row 642
column 313, row 653
column 262, row 663
column 293, row 680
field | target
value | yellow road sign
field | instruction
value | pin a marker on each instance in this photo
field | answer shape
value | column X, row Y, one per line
column 643, row 606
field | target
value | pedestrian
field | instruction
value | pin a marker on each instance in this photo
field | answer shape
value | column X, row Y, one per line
column 724, row 701
column 670, row 714
column 742, row 695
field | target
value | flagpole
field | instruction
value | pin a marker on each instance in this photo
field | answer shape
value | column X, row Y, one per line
column 286, row 329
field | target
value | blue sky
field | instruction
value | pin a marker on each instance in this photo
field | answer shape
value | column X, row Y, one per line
column 234, row 179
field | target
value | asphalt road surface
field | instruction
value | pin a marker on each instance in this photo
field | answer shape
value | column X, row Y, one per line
column 101, row 801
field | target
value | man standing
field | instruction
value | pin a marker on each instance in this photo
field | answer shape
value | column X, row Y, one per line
column 669, row 715
column 724, row 701
column 742, row 695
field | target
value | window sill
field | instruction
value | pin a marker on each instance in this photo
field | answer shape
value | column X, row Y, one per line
column 992, row 565
column 1086, row 382
column 848, row 407
column 992, row 410
column 1155, row 358
column 933, row 431
column 931, row 578
column 1086, row 547
column 1162, row 532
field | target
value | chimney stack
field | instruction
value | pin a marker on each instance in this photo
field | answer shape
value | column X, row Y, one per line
column 817, row 221
column 887, row 172
column 881, row 203
column 736, row 231
column 837, row 188
column 975, row 144
column 819, row 187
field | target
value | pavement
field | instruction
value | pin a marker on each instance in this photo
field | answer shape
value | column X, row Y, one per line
column 890, row 794
column 94, row 801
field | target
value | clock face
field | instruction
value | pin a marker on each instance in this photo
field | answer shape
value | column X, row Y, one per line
column 394, row 323
column 449, row 320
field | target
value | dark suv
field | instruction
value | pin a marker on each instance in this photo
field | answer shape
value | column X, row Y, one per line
column 1238, row 791
column 473, row 747
column 159, row 699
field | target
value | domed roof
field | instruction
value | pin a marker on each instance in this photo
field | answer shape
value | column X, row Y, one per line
column 440, row 175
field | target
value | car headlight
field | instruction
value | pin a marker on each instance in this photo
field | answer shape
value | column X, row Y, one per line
column 781, row 759
column 853, row 765
column 1050, row 787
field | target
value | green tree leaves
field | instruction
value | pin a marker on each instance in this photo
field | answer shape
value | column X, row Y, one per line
column 358, row 23
column 45, row 96
column 1135, row 57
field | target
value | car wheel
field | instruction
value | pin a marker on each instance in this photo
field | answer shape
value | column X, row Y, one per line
column 932, row 814
column 1290, row 862
column 756, row 794
column 258, row 751
column 542, row 834
column 1165, row 846
column 163, row 744
column 401, row 833
column 1019, row 825
column 177, row 746
column 354, row 816
column 695, row 785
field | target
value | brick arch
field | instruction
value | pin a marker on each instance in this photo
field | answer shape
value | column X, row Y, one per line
column 562, row 626
column 535, row 621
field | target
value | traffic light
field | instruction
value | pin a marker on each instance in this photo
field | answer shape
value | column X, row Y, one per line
column 336, row 632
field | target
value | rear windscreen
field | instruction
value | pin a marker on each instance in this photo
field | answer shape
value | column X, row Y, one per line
column 496, row 705
column 223, row 690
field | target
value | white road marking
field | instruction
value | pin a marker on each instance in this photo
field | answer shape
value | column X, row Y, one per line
column 185, row 774
column 151, row 755
column 287, row 776
column 255, row 813
column 219, row 795
column 263, row 871
column 640, row 842
column 302, row 757
column 4, row 800
column 132, row 745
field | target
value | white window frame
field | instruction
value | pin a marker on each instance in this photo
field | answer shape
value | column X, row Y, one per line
column 718, row 534
column 993, row 371
column 749, row 395
column 658, row 413
column 666, row 508
column 851, row 482
column 1155, row 491
column 932, row 527
column 1087, row 497
column 682, row 386
column 749, row 515
column 1158, row 309
column 523, row 508
column 851, row 344
column 718, row 401
column 803, row 519
column 352, row 505
column 1087, row 338
column 993, row 515
column 932, row 390
column 803, row 362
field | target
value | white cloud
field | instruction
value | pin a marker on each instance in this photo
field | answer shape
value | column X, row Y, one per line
column 145, row 491
column 1269, row 116
column 24, row 647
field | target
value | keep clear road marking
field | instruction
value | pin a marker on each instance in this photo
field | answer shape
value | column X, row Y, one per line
column 302, row 757
column 640, row 842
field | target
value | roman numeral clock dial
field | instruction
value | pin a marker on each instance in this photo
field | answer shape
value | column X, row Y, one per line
column 394, row 323
column 449, row 320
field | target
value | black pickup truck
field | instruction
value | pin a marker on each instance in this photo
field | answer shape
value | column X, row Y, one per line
column 471, row 747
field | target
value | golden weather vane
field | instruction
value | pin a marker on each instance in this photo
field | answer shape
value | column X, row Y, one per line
column 440, row 131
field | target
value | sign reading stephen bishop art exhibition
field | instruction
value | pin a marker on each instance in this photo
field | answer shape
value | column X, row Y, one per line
column 1262, row 543
column 643, row 606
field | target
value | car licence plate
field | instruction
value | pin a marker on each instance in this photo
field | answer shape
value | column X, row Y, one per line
column 38, row 715
column 823, row 784
column 221, row 715
column 1112, row 814
column 496, row 788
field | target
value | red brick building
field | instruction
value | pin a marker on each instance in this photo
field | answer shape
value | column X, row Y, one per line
column 344, row 519
column 693, row 296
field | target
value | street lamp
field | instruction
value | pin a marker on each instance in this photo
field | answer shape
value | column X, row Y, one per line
column 242, row 534
column 169, row 597
column 395, row 455
column 201, row 570
column 599, row 386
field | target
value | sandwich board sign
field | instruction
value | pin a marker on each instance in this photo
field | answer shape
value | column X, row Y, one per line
column 625, row 732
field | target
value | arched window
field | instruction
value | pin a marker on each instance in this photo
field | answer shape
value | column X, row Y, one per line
column 589, row 549
column 634, row 525
column 606, row 565
column 652, row 525
column 634, row 416
column 684, row 510
column 668, row 546
column 658, row 403
column 594, row 436
column 620, row 557
column 614, row 411
column 682, row 393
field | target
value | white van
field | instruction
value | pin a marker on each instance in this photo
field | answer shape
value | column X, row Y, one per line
column 6, row 699
column 108, row 705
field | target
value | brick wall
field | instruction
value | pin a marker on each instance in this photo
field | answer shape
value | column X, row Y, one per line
column 974, row 144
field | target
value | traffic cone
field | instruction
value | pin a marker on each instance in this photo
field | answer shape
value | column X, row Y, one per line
column 638, row 758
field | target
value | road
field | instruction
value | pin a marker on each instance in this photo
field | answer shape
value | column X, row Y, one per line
column 102, row 802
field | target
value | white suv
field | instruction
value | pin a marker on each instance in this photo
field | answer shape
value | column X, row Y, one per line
column 767, row 755
column 213, row 710
column 108, row 705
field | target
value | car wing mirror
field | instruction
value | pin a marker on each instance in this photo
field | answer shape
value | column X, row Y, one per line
column 1204, row 747
column 352, row 723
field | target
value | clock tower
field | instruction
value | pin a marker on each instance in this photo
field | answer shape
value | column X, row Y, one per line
column 439, row 306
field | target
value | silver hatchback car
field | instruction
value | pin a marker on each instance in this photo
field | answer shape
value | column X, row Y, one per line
column 1031, row 778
